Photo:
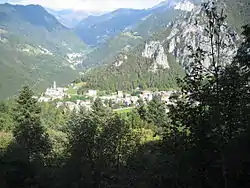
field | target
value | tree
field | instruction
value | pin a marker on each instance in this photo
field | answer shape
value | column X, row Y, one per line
column 99, row 109
column 235, row 108
column 142, row 110
column 82, row 133
column 211, row 108
column 6, row 120
column 29, row 133
column 156, row 111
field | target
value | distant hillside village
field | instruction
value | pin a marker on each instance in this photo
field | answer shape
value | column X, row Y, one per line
column 63, row 98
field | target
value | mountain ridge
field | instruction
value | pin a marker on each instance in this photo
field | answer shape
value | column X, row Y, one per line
column 163, row 53
column 71, row 18
column 34, row 49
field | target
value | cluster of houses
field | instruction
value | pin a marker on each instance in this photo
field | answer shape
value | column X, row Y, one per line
column 128, row 99
column 53, row 93
column 119, row 97
column 74, row 105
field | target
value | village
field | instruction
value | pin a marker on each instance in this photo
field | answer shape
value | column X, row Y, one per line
column 64, row 97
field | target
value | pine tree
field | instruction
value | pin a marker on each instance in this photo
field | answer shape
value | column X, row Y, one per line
column 29, row 134
column 210, row 107
column 82, row 133
column 156, row 111
column 142, row 110
column 99, row 109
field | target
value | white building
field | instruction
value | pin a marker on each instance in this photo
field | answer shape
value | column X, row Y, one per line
column 44, row 99
column 120, row 94
column 146, row 95
column 92, row 93
column 55, row 93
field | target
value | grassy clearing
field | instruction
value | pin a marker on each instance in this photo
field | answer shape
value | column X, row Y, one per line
column 5, row 139
column 123, row 110
column 72, row 90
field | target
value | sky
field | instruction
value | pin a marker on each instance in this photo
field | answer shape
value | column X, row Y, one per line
column 88, row 5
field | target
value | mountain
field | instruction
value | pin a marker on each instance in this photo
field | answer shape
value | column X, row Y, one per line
column 132, row 69
column 71, row 18
column 105, row 53
column 164, row 56
column 238, row 12
column 156, row 19
column 97, row 29
column 35, row 48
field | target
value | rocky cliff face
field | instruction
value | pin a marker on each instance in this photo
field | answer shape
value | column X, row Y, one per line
column 189, row 31
column 184, row 6
column 154, row 50
column 157, row 62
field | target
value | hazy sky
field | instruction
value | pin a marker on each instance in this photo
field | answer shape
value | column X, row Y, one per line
column 89, row 5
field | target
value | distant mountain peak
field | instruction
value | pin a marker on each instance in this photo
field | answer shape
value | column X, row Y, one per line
column 178, row 4
column 32, row 14
column 185, row 6
column 35, row 48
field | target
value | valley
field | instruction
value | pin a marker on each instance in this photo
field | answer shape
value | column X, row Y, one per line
column 35, row 50
column 73, row 98
column 147, row 94
column 111, row 50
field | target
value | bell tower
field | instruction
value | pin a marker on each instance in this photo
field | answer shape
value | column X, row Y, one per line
column 54, row 85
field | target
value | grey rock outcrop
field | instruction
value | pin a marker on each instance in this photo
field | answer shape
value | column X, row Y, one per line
column 191, row 32
column 154, row 50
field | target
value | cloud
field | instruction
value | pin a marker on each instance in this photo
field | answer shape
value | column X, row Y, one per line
column 90, row 5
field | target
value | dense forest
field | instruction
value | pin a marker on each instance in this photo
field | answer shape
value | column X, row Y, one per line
column 132, row 74
column 203, row 140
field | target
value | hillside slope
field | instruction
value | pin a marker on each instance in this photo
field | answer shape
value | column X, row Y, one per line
column 35, row 48
column 71, row 18
column 154, row 21
column 96, row 30
column 165, row 55
column 146, row 66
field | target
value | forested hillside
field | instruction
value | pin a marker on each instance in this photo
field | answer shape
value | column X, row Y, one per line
column 130, row 70
column 126, row 35
column 96, row 30
column 106, row 53
column 173, row 26
column 238, row 12
column 34, row 49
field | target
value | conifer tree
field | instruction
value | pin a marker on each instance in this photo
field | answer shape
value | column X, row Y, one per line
column 212, row 107
column 82, row 134
column 29, row 134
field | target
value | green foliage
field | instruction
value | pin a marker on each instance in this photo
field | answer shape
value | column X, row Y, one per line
column 74, row 98
column 5, row 140
column 99, row 110
column 156, row 112
column 31, row 49
column 154, row 115
column 213, row 106
column 132, row 73
column 142, row 110
column 108, row 25
column 107, row 52
column 209, row 125
column 29, row 133
column 6, row 120
column 53, row 118
column 59, row 140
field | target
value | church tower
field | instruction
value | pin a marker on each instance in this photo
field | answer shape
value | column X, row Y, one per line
column 54, row 85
